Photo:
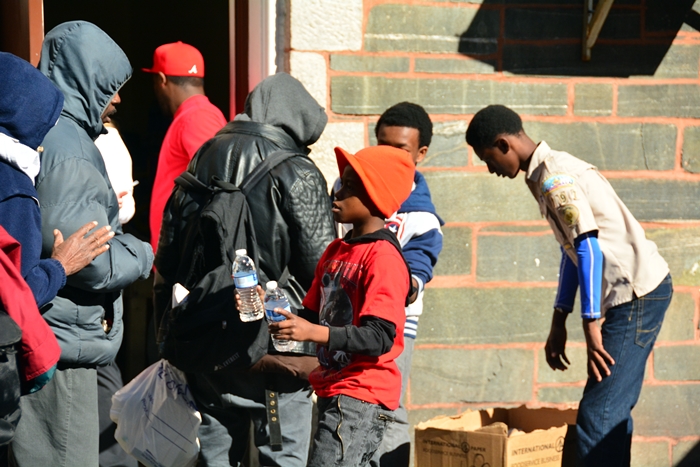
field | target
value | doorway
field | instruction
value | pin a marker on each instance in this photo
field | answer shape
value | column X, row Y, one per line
column 138, row 27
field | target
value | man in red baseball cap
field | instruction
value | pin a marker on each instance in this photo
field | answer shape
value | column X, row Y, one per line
column 178, row 81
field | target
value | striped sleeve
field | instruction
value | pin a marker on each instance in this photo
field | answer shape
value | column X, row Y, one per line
column 590, row 274
column 411, row 327
column 568, row 284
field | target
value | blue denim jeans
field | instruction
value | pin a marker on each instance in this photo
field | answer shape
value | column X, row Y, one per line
column 349, row 432
column 604, row 423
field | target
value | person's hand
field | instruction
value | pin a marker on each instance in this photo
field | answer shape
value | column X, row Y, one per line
column 414, row 295
column 120, row 197
column 258, row 289
column 78, row 250
column 298, row 329
column 555, row 347
column 599, row 360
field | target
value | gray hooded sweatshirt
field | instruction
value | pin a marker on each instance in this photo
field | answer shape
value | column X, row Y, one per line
column 282, row 101
column 89, row 68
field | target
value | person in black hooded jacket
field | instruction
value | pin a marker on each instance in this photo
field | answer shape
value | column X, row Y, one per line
column 293, row 225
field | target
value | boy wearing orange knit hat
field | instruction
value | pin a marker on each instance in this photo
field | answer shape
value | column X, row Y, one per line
column 359, row 293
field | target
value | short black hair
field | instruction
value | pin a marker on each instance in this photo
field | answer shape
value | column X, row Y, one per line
column 184, row 81
column 490, row 122
column 409, row 115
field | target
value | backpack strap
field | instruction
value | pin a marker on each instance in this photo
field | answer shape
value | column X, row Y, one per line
column 273, row 412
column 254, row 177
column 388, row 235
column 267, row 164
column 189, row 182
column 228, row 187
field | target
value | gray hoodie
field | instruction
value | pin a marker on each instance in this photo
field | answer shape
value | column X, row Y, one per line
column 89, row 68
column 282, row 101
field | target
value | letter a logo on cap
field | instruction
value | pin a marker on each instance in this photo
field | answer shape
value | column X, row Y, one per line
column 177, row 59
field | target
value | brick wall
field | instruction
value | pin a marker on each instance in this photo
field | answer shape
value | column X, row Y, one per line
column 633, row 111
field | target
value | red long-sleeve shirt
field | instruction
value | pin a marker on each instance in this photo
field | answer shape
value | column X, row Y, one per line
column 195, row 122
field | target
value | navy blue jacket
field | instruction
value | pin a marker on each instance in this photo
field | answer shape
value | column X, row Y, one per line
column 422, row 250
column 20, row 216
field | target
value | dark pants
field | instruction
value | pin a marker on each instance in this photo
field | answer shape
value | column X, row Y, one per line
column 109, row 381
column 395, row 450
column 59, row 425
column 229, row 402
column 604, row 424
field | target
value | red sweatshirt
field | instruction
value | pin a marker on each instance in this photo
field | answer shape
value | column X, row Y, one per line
column 40, row 350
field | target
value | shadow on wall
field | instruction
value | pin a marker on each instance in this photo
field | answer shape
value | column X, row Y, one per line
column 543, row 37
column 691, row 459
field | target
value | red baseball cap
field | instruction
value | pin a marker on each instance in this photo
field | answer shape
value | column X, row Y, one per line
column 177, row 59
column 386, row 172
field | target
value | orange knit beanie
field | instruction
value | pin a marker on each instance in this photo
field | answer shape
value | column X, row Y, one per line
column 386, row 172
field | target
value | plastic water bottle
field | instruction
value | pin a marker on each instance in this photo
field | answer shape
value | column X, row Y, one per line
column 274, row 298
column 246, row 279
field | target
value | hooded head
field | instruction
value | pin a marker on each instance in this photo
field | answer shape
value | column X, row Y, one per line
column 281, row 100
column 29, row 103
column 88, row 67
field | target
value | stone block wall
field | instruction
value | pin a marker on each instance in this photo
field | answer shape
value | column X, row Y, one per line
column 633, row 111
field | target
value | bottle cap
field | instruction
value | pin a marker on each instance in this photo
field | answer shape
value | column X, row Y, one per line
column 272, row 285
column 241, row 252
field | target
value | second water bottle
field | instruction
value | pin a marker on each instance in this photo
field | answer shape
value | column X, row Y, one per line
column 275, row 298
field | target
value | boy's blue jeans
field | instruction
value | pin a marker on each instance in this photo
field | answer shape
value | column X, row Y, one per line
column 349, row 431
column 395, row 450
column 604, row 423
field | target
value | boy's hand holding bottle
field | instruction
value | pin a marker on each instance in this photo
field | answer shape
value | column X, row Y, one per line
column 294, row 327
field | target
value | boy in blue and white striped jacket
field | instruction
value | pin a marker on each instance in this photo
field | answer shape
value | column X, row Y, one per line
column 417, row 226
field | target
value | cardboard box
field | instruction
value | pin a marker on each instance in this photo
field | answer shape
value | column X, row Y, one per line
column 498, row 437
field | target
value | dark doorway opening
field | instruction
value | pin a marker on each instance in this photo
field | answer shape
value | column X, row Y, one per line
column 138, row 27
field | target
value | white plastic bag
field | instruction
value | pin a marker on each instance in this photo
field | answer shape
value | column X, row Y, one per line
column 157, row 419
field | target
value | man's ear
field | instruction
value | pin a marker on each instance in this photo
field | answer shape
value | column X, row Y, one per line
column 421, row 154
column 161, row 79
column 502, row 144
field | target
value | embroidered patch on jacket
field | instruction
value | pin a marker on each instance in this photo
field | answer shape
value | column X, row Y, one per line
column 555, row 182
column 393, row 226
column 569, row 213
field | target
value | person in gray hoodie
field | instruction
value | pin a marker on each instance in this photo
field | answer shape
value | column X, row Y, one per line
column 59, row 424
column 293, row 225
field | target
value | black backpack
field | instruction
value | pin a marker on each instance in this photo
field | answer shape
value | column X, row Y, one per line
column 204, row 332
